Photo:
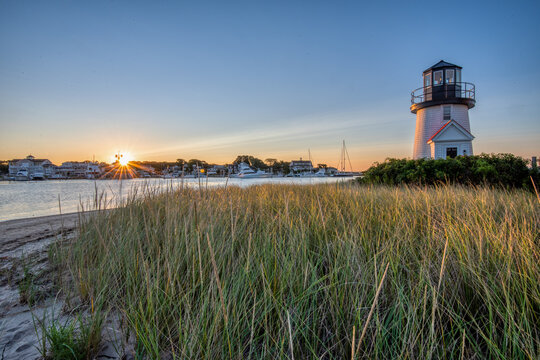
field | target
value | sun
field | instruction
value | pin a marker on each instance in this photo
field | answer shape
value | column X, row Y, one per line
column 123, row 161
column 123, row 158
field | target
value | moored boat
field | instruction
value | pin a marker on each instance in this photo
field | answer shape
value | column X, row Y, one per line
column 246, row 172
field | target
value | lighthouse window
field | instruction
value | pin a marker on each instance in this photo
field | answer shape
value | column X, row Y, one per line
column 449, row 76
column 438, row 77
column 458, row 75
column 447, row 113
column 427, row 80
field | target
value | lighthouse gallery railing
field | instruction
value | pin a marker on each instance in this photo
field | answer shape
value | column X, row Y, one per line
column 462, row 90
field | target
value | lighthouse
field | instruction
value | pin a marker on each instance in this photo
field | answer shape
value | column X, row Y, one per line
column 442, row 108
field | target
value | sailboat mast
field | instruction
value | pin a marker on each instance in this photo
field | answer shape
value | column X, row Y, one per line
column 348, row 157
column 342, row 159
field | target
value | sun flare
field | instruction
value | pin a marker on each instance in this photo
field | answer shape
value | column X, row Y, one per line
column 123, row 158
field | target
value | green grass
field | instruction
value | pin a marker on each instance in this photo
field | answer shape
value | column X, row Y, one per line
column 27, row 288
column 329, row 271
column 77, row 338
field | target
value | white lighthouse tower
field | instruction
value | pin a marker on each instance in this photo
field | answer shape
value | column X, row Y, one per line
column 442, row 113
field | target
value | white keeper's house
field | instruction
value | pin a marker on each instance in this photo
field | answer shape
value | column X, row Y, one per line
column 442, row 113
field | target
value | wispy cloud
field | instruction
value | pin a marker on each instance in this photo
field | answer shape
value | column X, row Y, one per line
column 280, row 132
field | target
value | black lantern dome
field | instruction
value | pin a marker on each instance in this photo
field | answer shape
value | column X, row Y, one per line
column 442, row 85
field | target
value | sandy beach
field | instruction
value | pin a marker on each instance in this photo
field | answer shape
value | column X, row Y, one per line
column 23, row 245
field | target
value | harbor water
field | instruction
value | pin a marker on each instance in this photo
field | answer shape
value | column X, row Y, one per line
column 24, row 199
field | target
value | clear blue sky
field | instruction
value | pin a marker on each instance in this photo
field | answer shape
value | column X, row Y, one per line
column 211, row 80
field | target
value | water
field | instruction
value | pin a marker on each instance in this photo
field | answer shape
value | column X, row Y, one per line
column 24, row 199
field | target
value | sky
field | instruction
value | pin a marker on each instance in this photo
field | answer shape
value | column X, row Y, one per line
column 211, row 80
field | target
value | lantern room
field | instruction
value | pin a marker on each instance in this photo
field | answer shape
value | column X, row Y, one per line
column 442, row 85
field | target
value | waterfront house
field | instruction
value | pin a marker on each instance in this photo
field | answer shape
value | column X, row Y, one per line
column 301, row 165
column 79, row 170
column 32, row 167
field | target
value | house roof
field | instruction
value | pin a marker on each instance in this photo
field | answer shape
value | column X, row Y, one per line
column 446, row 125
column 31, row 160
column 442, row 64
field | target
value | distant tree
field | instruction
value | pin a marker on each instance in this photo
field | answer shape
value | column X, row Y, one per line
column 196, row 163
column 251, row 161
column 282, row 167
column 180, row 162
column 4, row 166
column 270, row 162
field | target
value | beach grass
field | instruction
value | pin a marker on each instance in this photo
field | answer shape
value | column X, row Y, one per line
column 338, row 271
column 77, row 338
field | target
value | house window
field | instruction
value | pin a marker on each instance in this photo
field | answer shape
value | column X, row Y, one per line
column 451, row 152
column 449, row 76
column 437, row 78
column 447, row 113
column 427, row 80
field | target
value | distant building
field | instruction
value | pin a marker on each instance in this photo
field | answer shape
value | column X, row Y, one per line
column 93, row 170
column 79, row 170
column 216, row 170
column 442, row 108
column 31, row 167
column 301, row 165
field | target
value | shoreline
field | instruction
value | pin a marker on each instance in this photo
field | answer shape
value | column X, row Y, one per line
column 24, row 247
column 40, row 218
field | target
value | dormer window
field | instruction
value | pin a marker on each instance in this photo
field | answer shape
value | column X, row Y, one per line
column 438, row 77
column 449, row 76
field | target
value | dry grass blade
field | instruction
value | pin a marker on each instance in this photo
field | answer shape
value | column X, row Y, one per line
column 353, row 338
column 535, row 190
column 290, row 335
column 442, row 266
column 218, row 282
column 372, row 308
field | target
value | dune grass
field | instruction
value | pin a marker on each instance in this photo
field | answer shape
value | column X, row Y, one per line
column 326, row 271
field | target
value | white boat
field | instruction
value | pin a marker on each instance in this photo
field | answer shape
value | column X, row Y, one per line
column 38, row 176
column 320, row 173
column 344, row 173
column 246, row 172
column 22, row 175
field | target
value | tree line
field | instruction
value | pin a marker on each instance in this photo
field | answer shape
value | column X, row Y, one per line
column 271, row 164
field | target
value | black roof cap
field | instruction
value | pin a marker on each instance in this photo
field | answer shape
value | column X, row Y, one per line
column 442, row 64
